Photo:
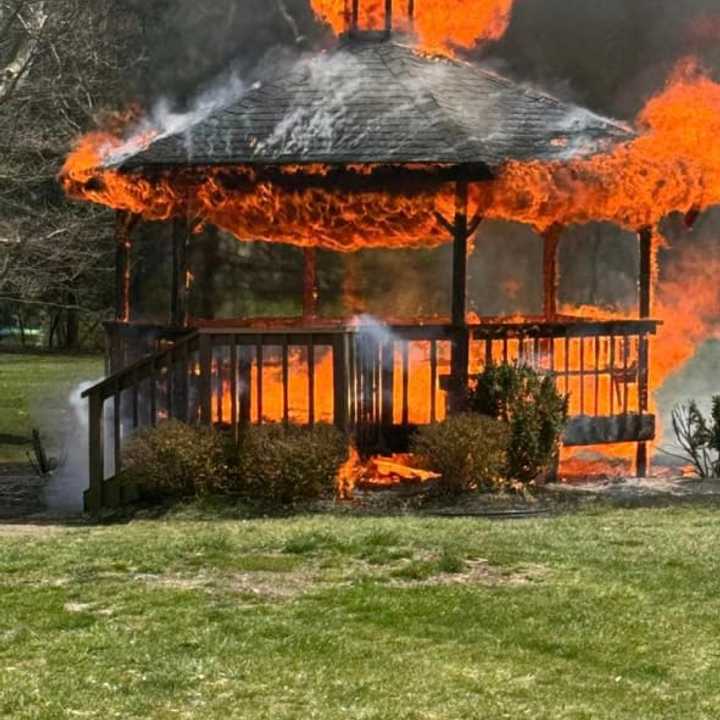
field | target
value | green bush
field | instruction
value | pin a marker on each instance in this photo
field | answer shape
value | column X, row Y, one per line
column 532, row 407
column 175, row 459
column 469, row 451
column 698, row 437
column 284, row 464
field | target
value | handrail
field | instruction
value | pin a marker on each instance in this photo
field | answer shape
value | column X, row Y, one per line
column 133, row 370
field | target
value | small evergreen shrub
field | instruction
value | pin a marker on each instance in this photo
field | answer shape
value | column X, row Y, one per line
column 175, row 459
column 536, row 413
column 469, row 451
column 285, row 464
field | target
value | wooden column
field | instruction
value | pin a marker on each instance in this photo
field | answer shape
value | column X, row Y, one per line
column 388, row 16
column 645, row 309
column 179, row 302
column 461, row 338
column 124, row 224
column 355, row 17
column 551, row 241
column 645, row 282
column 341, row 381
column 310, row 284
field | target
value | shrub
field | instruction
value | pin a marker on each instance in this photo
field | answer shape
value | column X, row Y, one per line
column 469, row 451
column 175, row 459
column 284, row 464
column 532, row 407
column 699, row 437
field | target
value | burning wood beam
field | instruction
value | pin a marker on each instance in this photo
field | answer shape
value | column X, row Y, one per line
column 645, row 310
column 310, row 284
column 179, row 303
column 551, row 242
column 125, row 222
column 461, row 340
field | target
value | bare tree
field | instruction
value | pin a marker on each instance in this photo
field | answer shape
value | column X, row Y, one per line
column 62, row 63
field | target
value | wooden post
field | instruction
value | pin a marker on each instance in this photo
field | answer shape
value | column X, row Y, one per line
column 341, row 381
column 205, row 379
column 645, row 309
column 461, row 338
column 96, row 448
column 645, row 282
column 551, row 241
column 388, row 16
column 388, row 384
column 355, row 16
column 123, row 228
column 310, row 284
column 180, row 274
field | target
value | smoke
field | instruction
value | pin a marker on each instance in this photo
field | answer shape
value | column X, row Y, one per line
column 64, row 490
column 610, row 56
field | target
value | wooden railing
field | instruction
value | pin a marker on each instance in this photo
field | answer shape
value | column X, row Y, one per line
column 377, row 383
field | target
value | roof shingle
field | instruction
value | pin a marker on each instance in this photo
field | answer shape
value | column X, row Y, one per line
column 381, row 102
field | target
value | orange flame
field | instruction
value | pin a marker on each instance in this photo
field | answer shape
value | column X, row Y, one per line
column 439, row 24
column 674, row 165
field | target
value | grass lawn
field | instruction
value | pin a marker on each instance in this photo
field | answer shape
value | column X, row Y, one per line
column 602, row 614
column 34, row 392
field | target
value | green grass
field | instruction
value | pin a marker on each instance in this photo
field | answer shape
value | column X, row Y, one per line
column 34, row 391
column 606, row 614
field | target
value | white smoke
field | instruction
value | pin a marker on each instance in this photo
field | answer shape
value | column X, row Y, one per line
column 163, row 121
column 64, row 490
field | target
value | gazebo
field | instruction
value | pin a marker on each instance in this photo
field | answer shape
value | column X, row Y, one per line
column 370, row 144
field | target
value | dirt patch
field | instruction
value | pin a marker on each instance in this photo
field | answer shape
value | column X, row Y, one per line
column 637, row 491
column 265, row 585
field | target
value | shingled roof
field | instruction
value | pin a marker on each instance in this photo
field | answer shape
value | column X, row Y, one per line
column 382, row 102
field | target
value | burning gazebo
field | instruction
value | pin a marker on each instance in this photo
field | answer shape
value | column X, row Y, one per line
column 371, row 144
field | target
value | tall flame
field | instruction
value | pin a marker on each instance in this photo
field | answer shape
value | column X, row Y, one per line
column 674, row 165
column 438, row 24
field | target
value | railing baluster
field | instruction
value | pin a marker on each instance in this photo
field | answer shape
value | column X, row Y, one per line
column 205, row 391
column 260, row 366
column 434, row 379
column 234, row 388
column 170, row 384
column 582, row 375
column 405, row 383
column 117, row 427
column 612, row 374
column 311, row 380
column 219, row 373
column 245, row 376
column 597, row 375
column 135, row 400
column 626, row 350
column 185, row 387
column 388, row 383
column 153, row 393
column 286, row 381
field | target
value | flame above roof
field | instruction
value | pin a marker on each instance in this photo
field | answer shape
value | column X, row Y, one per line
column 370, row 101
